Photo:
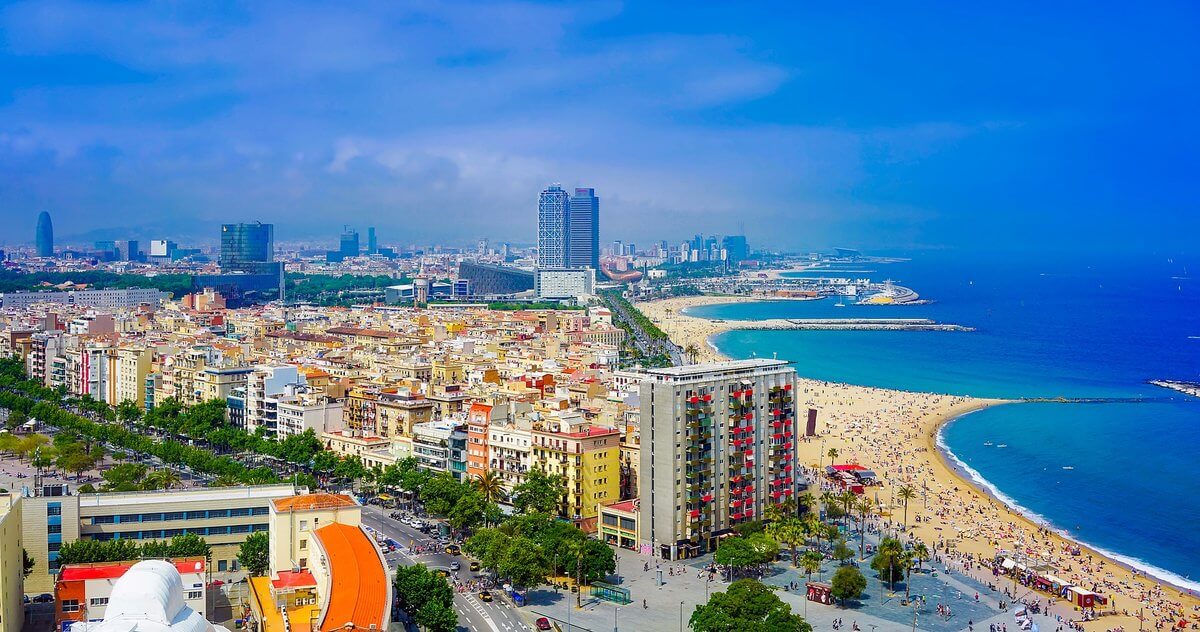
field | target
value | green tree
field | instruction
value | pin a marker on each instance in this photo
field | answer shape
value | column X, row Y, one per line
column 254, row 554
column 889, row 561
column 436, row 616
column 790, row 532
column 842, row 552
column 833, row 455
column 27, row 563
column 540, row 492
column 747, row 605
column 742, row 552
column 128, row 411
column 15, row 419
column 848, row 583
column 810, row 561
column 441, row 493
column 524, row 564
column 468, row 512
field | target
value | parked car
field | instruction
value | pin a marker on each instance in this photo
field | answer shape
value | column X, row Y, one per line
column 542, row 623
column 44, row 598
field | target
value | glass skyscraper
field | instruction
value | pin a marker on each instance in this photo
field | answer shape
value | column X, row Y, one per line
column 583, row 230
column 552, row 227
column 245, row 245
column 44, row 237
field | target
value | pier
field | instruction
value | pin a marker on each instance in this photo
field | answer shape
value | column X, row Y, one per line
column 844, row 324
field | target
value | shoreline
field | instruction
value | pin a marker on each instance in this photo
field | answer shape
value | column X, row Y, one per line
column 908, row 452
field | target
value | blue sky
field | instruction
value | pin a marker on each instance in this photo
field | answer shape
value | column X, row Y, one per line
column 930, row 125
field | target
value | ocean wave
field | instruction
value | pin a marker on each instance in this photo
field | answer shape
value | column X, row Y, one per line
column 1135, row 563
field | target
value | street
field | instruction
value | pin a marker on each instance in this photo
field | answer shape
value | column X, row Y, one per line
column 473, row 614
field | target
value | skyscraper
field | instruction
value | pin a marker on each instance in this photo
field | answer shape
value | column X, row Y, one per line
column 349, row 245
column 372, row 245
column 44, row 237
column 583, row 230
column 552, row 227
column 245, row 245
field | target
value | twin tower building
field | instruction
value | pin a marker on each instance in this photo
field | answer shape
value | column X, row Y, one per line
column 568, row 229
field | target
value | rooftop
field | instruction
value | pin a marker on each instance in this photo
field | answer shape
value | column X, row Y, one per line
column 113, row 570
column 357, row 572
column 692, row 370
column 308, row 502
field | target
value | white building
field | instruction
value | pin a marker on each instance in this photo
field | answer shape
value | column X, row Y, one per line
column 301, row 410
column 100, row 299
column 560, row 283
column 152, row 596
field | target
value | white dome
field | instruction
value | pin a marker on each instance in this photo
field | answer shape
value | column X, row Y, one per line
column 149, row 598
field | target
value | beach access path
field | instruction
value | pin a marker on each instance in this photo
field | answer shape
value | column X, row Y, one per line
column 894, row 433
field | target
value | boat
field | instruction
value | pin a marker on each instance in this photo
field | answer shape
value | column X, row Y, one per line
column 1068, row 467
column 1002, row 445
column 841, row 303
column 987, row 443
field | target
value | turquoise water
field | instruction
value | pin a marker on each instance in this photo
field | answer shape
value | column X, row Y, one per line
column 1044, row 329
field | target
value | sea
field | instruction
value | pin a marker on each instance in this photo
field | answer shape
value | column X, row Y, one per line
column 1115, row 473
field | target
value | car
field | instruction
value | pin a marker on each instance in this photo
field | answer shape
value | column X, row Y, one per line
column 485, row 595
column 542, row 623
column 474, row 566
column 441, row 572
column 455, row 565
column 453, row 549
column 44, row 598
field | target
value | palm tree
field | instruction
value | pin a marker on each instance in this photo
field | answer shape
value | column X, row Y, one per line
column 810, row 561
column 920, row 553
column 906, row 494
column 847, row 498
column 833, row 454
column 692, row 352
column 906, row 559
column 490, row 486
column 162, row 479
column 864, row 508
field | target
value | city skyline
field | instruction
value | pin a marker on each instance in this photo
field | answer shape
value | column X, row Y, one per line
column 775, row 117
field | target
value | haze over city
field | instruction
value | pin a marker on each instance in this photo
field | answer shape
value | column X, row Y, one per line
column 875, row 125
column 582, row 316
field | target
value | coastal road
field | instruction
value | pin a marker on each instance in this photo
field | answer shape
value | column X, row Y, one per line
column 473, row 614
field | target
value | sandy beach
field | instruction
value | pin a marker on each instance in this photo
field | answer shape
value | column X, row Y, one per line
column 894, row 433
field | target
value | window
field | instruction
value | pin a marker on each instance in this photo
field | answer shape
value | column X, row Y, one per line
column 54, row 528
column 98, row 601
column 102, row 520
column 130, row 518
column 240, row 528
column 53, row 509
column 259, row 511
column 222, row 566
column 174, row 515
column 193, row 594
column 304, row 525
column 242, row 511
column 197, row 515
column 53, row 546
column 152, row 517
column 304, row 562
column 70, row 605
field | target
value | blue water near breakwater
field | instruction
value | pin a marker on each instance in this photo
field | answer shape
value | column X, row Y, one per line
column 1051, row 328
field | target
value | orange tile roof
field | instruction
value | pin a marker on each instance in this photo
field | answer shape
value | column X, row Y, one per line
column 307, row 502
column 357, row 579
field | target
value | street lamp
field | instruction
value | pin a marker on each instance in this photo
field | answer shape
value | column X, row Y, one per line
column 681, row 616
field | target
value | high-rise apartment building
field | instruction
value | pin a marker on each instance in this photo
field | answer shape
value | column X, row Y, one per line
column 553, row 207
column 44, row 236
column 244, row 247
column 372, row 243
column 583, row 230
column 717, row 449
column 348, row 244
